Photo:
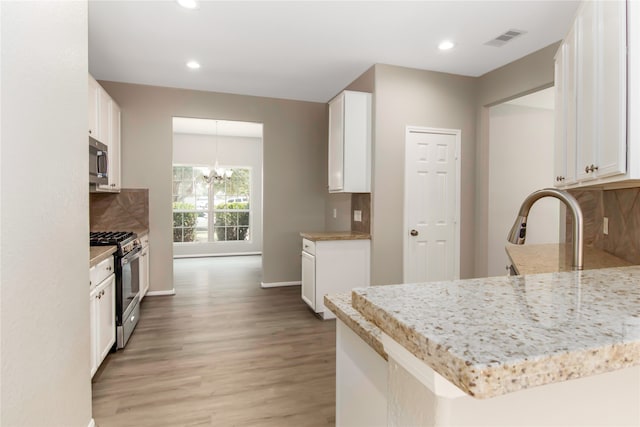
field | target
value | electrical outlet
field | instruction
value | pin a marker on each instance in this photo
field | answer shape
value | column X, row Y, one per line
column 357, row 216
column 605, row 225
column 335, row 213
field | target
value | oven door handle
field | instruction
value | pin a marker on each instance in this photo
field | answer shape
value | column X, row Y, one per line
column 132, row 255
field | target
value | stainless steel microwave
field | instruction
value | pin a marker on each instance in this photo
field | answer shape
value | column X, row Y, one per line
column 98, row 162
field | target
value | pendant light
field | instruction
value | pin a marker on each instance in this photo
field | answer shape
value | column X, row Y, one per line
column 218, row 174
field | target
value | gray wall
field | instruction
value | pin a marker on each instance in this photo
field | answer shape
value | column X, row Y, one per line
column 294, row 186
column 526, row 75
column 44, row 199
column 405, row 96
column 521, row 161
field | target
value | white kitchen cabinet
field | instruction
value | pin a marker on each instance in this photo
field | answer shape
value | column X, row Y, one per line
column 93, row 332
column 102, row 312
column 332, row 266
column 591, row 97
column 113, row 142
column 350, row 143
column 633, row 100
column 309, row 279
column 94, row 96
column 144, row 266
column 565, row 112
column 104, row 125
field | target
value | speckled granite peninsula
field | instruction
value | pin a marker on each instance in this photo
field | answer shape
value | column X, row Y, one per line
column 549, row 258
column 499, row 335
column 340, row 305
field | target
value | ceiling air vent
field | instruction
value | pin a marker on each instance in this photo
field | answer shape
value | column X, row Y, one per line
column 504, row 38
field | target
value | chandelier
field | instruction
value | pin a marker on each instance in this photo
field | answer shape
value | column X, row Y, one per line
column 217, row 174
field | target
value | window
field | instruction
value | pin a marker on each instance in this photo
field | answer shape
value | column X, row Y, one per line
column 211, row 212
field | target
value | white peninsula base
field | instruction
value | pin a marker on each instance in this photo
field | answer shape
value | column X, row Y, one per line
column 361, row 381
column 407, row 392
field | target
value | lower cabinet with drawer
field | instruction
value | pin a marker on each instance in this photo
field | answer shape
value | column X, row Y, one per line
column 144, row 266
column 333, row 266
column 102, row 311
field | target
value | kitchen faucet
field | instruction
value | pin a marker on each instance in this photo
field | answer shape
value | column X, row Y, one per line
column 518, row 232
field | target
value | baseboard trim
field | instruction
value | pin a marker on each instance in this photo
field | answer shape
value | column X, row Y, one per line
column 279, row 284
column 92, row 423
column 216, row 255
column 160, row 293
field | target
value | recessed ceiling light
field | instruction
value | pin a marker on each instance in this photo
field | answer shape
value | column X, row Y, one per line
column 188, row 4
column 446, row 45
column 194, row 65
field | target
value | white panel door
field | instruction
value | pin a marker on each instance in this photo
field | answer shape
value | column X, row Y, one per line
column 431, row 205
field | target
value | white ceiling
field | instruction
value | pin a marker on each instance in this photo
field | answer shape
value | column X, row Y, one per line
column 308, row 50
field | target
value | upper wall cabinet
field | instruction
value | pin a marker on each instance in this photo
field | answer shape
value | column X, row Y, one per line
column 350, row 143
column 592, row 146
column 94, row 100
column 104, row 125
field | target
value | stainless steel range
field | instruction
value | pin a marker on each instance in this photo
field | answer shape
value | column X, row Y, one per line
column 127, row 279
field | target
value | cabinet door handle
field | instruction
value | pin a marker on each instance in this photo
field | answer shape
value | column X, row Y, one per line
column 414, row 232
column 586, row 169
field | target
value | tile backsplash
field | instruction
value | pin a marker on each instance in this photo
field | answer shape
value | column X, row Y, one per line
column 622, row 208
column 124, row 211
column 361, row 202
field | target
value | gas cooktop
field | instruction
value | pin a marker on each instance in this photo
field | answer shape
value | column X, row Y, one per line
column 101, row 238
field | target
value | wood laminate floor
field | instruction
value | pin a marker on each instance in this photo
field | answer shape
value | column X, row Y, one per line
column 221, row 352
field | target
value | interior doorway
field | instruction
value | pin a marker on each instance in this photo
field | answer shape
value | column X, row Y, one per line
column 217, row 187
column 521, row 160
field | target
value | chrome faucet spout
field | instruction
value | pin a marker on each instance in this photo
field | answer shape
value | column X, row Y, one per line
column 518, row 232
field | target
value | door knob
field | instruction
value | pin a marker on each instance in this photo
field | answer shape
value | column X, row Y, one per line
column 414, row 232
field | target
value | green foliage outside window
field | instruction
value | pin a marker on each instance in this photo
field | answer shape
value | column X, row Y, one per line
column 184, row 223
column 232, row 221
column 215, row 212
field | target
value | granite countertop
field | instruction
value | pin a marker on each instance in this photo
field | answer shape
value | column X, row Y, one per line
column 335, row 235
column 140, row 231
column 100, row 253
column 340, row 305
column 548, row 258
column 498, row 335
